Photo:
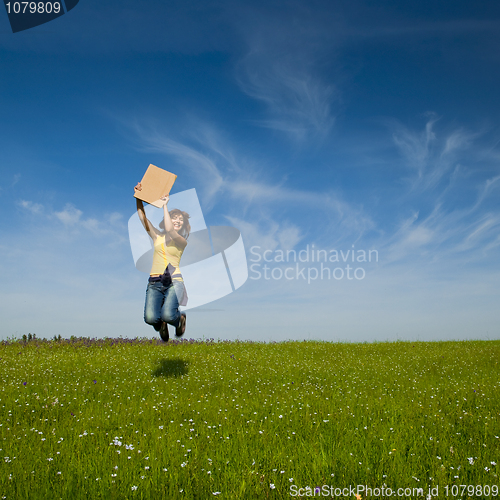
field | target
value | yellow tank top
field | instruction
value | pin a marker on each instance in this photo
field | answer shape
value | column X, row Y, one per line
column 164, row 255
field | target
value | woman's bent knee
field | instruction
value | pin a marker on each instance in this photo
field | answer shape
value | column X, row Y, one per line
column 151, row 319
column 170, row 318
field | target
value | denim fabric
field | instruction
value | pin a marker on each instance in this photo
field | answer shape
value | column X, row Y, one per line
column 162, row 303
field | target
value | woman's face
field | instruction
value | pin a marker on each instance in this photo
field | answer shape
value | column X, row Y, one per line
column 177, row 221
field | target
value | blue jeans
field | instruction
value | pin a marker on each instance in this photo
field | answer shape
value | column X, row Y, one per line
column 162, row 303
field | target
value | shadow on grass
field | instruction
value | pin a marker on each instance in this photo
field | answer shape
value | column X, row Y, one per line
column 170, row 368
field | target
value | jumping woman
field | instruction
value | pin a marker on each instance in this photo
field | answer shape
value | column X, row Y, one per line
column 166, row 289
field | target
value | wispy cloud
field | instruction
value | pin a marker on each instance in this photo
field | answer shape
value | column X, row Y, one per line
column 267, row 233
column 441, row 185
column 29, row 206
column 15, row 179
column 298, row 102
column 72, row 220
column 244, row 187
column 444, row 237
column 70, row 216
column 431, row 156
column 416, row 148
column 282, row 68
column 486, row 190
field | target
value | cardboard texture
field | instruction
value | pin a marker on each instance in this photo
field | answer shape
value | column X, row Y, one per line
column 155, row 184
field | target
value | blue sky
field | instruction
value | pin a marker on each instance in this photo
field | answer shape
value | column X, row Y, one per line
column 325, row 123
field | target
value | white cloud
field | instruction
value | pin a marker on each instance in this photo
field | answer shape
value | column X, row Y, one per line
column 70, row 216
column 110, row 225
column 419, row 236
column 481, row 230
column 449, row 197
column 457, row 140
column 488, row 187
column 34, row 208
column 267, row 234
column 282, row 68
column 451, row 235
column 416, row 146
column 289, row 237
column 433, row 155
column 298, row 102
column 241, row 186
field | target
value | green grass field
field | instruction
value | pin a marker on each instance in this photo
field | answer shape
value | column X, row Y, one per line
column 117, row 418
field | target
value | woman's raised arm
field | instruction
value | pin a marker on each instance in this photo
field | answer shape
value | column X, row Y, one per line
column 151, row 230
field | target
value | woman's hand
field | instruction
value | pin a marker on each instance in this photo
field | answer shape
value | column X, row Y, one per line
column 165, row 200
column 138, row 187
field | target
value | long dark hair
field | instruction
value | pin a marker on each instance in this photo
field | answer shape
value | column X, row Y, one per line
column 186, row 227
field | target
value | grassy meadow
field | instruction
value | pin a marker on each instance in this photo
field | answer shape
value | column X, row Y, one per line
column 139, row 418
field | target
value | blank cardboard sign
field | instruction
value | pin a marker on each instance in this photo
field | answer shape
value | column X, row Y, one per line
column 155, row 184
